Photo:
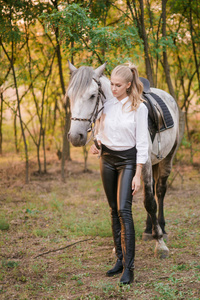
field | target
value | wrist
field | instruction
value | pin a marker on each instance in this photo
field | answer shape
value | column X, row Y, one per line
column 138, row 173
column 139, row 165
column 138, row 170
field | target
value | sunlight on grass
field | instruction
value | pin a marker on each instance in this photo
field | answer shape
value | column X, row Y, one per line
column 41, row 232
column 92, row 226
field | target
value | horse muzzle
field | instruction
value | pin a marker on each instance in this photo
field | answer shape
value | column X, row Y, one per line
column 77, row 139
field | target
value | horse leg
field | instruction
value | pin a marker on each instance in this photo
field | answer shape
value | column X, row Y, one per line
column 161, row 173
column 161, row 187
column 160, row 184
column 147, row 234
column 164, row 170
column 161, row 249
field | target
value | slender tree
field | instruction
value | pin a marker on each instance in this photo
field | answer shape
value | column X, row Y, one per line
column 1, row 120
column 18, row 106
column 137, row 13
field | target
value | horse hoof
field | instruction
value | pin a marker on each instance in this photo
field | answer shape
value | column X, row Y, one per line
column 161, row 254
column 161, row 250
column 147, row 236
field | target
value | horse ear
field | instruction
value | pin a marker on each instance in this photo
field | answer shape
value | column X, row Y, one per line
column 99, row 70
column 71, row 67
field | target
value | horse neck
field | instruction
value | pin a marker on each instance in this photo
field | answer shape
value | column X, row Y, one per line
column 105, row 85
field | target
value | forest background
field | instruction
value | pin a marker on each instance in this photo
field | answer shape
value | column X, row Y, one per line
column 38, row 37
column 55, row 231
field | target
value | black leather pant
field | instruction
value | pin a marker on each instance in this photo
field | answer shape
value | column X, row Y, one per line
column 117, row 171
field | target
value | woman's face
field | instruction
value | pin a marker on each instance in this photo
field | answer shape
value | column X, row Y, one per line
column 119, row 87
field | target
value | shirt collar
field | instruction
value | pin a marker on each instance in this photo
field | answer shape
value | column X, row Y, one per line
column 115, row 100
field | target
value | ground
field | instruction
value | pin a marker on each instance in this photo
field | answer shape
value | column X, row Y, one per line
column 56, row 239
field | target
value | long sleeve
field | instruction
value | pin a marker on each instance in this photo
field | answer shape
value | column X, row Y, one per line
column 142, row 144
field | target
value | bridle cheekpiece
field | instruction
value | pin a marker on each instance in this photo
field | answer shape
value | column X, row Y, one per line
column 96, row 111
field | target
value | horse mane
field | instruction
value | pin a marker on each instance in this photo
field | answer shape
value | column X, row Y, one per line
column 80, row 80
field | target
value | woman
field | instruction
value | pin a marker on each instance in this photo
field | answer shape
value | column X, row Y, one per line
column 122, row 134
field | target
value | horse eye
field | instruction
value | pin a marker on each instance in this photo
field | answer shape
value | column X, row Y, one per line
column 92, row 96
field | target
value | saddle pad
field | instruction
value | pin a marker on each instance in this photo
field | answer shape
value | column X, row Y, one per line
column 168, row 121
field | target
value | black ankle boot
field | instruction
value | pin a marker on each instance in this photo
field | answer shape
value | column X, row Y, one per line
column 118, row 268
column 127, row 276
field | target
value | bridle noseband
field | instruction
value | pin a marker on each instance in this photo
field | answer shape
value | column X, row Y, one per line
column 96, row 111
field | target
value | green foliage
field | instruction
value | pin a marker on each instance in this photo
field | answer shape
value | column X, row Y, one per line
column 13, row 15
column 81, row 32
column 72, row 20
column 4, row 225
column 185, row 142
column 9, row 264
column 9, row 30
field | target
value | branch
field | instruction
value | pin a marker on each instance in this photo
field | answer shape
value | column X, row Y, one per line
column 121, row 11
column 99, row 58
column 62, row 248
column 25, row 125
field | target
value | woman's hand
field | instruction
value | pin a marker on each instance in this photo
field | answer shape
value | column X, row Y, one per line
column 93, row 148
column 136, row 182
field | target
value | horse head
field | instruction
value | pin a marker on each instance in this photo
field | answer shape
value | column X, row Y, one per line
column 84, row 92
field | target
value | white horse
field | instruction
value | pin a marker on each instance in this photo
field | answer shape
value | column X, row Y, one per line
column 88, row 89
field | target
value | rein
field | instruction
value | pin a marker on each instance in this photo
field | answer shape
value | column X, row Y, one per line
column 95, row 113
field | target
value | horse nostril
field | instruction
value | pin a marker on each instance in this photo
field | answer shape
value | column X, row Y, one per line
column 68, row 136
column 81, row 136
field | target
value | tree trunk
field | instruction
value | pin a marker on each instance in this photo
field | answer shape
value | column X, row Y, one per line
column 66, row 143
column 167, row 73
column 66, row 146
column 181, row 125
column 138, row 18
column 44, row 152
column 1, row 121
column 38, row 157
column 15, row 133
column 148, row 66
column 22, row 128
column 193, row 44
column 65, row 149
column 165, row 59
column 85, row 154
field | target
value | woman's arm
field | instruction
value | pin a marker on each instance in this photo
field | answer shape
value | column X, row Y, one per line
column 141, row 145
column 142, row 142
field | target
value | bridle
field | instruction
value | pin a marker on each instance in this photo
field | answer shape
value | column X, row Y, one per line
column 96, row 111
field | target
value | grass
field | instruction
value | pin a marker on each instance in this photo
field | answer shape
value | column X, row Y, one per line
column 4, row 225
column 48, row 215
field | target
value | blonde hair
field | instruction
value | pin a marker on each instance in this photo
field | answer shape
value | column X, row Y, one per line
column 129, row 73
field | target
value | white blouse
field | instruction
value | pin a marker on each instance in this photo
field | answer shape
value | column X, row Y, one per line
column 121, row 129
